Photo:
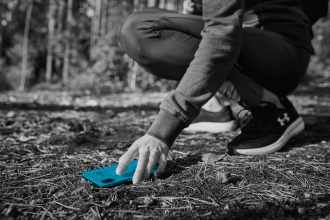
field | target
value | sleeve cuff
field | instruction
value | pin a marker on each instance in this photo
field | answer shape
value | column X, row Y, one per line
column 166, row 127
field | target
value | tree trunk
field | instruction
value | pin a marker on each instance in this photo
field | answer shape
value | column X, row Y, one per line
column 134, row 68
column 111, row 19
column 99, row 16
column 2, row 11
column 180, row 6
column 144, row 4
column 96, row 25
column 135, row 71
column 51, row 26
column 153, row 3
column 170, row 5
column 25, row 46
column 92, row 36
column 136, row 5
column 1, row 37
column 67, row 53
column 102, row 12
column 97, row 19
column 106, row 18
column 58, row 61
column 162, row 4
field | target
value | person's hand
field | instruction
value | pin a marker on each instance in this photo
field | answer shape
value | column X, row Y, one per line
column 149, row 151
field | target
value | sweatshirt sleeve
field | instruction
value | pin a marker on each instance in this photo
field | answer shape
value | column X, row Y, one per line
column 215, row 57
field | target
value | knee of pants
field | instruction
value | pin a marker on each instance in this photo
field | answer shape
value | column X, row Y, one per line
column 134, row 37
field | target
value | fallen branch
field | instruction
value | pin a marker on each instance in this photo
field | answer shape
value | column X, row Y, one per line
column 68, row 207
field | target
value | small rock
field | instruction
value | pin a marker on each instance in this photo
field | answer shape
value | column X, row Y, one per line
column 12, row 99
column 65, row 102
column 307, row 195
column 11, row 114
column 26, row 139
column 290, row 172
column 107, row 204
column 148, row 201
column 212, row 157
column 35, row 96
column 91, row 103
column 301, row 210
column 165, row 204
column 222, row 177
column 102, row 153
column 226, row 207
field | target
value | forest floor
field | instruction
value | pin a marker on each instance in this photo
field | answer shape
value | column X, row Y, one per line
column 48, row 139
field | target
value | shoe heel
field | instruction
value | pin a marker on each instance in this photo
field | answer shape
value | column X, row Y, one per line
column 299, row 127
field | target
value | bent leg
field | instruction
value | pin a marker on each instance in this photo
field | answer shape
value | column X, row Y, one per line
column 272, row 60
column 162, row 42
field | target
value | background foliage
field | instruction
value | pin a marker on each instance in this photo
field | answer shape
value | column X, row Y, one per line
column 74, row 45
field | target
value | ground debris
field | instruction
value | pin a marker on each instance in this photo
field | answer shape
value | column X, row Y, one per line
column 41, row 165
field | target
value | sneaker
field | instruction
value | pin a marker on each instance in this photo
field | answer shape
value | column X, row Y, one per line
column 268, row 129
column 222, row 121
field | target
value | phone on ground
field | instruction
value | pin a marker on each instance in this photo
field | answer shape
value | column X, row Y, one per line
column 107, row 177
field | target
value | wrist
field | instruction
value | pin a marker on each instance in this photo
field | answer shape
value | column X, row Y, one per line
column 166, row 127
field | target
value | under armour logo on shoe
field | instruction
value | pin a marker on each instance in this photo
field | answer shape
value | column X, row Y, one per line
column 282, row 120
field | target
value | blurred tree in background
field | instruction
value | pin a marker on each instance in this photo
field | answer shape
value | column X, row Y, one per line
column 73, row 44
column 319, row 68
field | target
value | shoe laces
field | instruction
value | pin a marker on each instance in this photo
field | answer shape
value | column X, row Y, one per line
column 243, row 120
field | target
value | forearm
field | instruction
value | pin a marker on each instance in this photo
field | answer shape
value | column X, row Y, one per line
column 213, row 61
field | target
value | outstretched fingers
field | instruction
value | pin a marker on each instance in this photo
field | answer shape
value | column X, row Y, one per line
column 126, row 159
column 141, row 165
column 149, row 151
column 153, row 159
column 162, row 165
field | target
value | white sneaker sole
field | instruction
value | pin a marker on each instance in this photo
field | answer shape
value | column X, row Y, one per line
column 211, row 127
column 294, row 129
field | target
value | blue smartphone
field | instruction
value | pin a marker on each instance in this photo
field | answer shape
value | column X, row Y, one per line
column 107, row 177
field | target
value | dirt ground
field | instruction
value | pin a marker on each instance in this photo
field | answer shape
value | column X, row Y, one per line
column 49, row 139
